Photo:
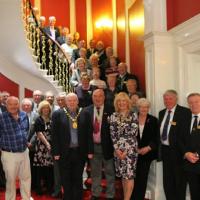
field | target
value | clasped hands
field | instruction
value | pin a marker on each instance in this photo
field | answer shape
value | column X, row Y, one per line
column 120, row 154
column 191, row 157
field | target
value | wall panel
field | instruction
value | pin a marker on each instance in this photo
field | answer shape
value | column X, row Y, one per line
column 81, row 23
column 59, row 9
column 120, row 12
column 9, row 86
column 28, row 93
column 179, row 11
column 136, row 31
column 102, row 9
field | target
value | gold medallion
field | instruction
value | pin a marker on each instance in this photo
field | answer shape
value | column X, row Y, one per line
column 74, row 124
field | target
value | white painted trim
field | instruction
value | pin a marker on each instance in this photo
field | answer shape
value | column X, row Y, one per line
column 128, row 4
column 187, row 35
column 72, row 13
column 89, row 20
column 114, row 12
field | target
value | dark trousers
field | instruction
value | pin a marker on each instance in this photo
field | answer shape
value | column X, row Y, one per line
column 174, row 177
column 140, row 184
column 44, row 179
column 194, row 185
column 71, row 170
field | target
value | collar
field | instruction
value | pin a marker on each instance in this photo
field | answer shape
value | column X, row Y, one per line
column 196, row 115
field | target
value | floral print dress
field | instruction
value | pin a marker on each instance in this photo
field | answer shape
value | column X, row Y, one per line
column 42, row 156
column 123, row 133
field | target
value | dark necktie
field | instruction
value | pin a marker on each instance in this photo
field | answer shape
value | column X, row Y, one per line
column 165, row 128
column 195, row 123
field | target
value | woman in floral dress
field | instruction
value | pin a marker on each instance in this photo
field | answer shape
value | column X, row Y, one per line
column 123, row 129
column 43, row 160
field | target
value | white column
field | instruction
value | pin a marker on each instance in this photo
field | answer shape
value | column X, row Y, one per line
column 114, row 17
column 72, row 13
column 21, row 92
column 89, row 21
column 159, row 72
column 155, row 15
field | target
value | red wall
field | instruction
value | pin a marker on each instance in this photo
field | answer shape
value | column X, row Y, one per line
column 137, row 53
column 28, row 93
column 81, row 20
column 121, row 41
column 179, row 11
column 9, row 86
column 59, row 9
column 102, row 8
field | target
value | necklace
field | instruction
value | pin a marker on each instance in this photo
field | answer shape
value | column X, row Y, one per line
column 74, row 120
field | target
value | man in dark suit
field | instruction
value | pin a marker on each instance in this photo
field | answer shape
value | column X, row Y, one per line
column 103, row 147
column 62, row 38
column 71, row 145
column 51, row 30
column 172, row 125
column 75, row 53
column 92, row 49
column 124, row 76
column 190, row 146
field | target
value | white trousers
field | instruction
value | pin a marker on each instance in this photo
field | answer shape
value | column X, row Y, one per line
column 17, row 165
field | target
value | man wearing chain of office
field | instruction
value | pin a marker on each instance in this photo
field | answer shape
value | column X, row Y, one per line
column 71, row 145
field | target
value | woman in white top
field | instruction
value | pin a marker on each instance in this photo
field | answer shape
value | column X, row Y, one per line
column 80, row 68
column 96, row 81
column 147, row 147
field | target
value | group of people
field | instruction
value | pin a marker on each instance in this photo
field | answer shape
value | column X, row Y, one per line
column 104, row 124
column 122, row 140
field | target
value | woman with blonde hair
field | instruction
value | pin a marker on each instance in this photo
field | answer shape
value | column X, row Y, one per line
column 80, row 68
column 43, row 160
column 123, row 130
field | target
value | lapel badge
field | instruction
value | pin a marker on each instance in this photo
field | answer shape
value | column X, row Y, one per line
column 173, row 123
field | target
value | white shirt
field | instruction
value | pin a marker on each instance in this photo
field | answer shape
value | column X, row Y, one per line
column 68, row 49
column 166, row 142
column 99, row 83
column 141, row 129
column 53, row 33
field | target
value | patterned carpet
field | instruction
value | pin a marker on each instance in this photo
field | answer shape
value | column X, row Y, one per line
column 87, row 193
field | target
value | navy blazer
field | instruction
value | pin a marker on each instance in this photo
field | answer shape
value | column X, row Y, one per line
column 47, row 31
column 177, row 129
column 106, row 142
column 190, row 142
column 61, row 136
column 149, row 138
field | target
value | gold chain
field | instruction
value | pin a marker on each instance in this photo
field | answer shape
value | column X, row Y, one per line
column 74, row 120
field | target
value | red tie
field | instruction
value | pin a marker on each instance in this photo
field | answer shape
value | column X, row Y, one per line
column 96, row 126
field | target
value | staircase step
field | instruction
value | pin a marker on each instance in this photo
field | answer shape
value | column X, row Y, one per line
column 35, row 58
column 38, row 65
column 31, row 49
column 55, row 83
column 43, row 72
column 49, row 77
column 59, row 88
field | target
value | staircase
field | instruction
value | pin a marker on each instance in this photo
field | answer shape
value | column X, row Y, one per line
column 19, row 59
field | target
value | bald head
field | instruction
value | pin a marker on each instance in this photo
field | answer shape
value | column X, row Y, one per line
column 12, row 105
